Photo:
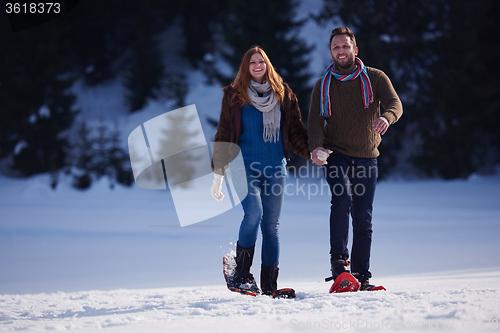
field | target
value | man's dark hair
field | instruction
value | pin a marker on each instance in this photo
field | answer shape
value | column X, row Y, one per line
column 343, row 31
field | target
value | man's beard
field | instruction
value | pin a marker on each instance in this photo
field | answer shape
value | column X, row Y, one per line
column 347, row 65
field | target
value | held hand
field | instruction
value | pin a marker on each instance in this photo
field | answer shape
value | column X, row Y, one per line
column 217, row 187
column 320, row 155
column 380, row 126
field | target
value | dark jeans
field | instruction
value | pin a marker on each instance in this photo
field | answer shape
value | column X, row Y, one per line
column 352, row 184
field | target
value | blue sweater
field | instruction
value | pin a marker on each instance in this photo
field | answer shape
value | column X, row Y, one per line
column 252, row 144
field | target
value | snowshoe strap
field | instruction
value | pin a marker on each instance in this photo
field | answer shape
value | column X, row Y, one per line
column 243, row 292
column 283, row 293
column 372, row 288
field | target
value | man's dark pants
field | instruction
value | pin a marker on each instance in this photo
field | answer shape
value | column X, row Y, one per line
column 352, row 184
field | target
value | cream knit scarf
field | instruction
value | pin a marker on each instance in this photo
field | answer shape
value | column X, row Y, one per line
column 267, row 103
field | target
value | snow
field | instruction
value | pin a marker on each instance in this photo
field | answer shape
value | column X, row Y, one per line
column 422, row 306
column 119, row 261
column 44, row 111
column 19, row 147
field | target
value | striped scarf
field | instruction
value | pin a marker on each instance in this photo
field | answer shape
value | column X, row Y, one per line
column 366, row 86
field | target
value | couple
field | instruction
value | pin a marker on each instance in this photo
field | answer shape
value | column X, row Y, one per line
column 260, row 114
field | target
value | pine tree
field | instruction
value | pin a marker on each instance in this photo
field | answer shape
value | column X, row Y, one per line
column 120, row 169
column 37, row 107
column 145, row 73
column 175, row 89
column 101, row 147
column 200, row 21
column 462, row 93
column 271, row 25
column 445, row 84
column 181, row 159
column 83, row 158
column 97, row 153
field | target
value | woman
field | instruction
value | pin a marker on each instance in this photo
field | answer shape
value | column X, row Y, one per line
column 260, row 114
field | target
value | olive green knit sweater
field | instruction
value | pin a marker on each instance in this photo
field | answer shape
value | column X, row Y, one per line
column 349, row 129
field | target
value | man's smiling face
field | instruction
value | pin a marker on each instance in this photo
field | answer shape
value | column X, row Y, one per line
column 343, row 52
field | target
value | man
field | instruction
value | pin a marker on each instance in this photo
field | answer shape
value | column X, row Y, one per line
column 345, row 128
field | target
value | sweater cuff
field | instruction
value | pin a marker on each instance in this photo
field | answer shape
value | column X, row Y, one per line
column 391, row 118
column 315, row 144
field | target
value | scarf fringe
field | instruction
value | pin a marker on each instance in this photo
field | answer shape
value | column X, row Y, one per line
column 271, row 134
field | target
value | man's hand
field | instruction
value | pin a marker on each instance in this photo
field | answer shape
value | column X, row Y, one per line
column 380, row 125
column 320, row 155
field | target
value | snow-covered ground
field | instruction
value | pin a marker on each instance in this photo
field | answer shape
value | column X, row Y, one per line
column 440, row 303
column 117, row 260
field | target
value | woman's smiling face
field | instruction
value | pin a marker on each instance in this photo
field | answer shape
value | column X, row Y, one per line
column 257, row 68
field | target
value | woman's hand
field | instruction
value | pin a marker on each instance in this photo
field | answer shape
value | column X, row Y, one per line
column 217, row 187
column 320, row 155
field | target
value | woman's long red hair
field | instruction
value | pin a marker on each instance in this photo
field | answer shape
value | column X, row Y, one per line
column 243, row 78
